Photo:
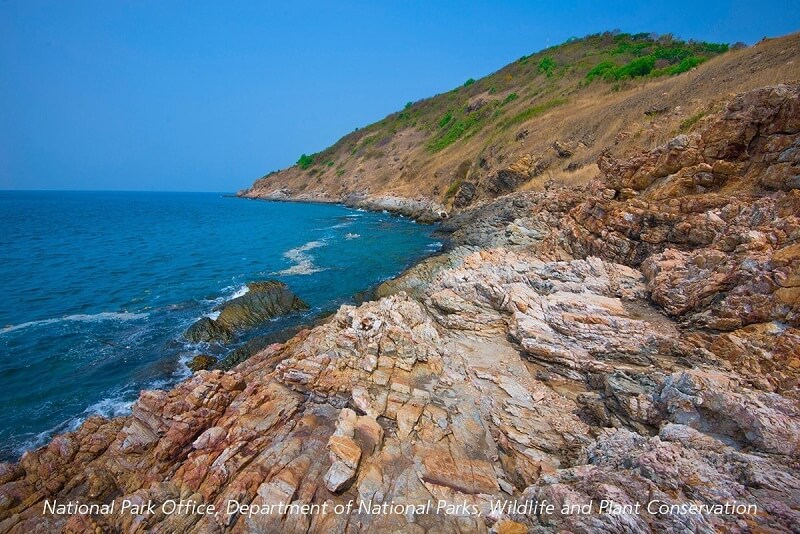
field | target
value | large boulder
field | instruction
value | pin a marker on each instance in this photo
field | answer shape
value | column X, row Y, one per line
column 263, row 301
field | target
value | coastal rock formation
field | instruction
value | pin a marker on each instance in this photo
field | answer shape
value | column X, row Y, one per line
column 739, row 174
column 422, row 210
column 202, row 362
column 263, row 301
column 633, row 343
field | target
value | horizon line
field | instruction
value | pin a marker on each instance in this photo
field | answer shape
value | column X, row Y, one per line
column 5, row 190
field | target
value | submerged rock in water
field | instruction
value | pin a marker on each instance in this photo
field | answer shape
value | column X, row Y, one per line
column 262, row 302
column 207, row 329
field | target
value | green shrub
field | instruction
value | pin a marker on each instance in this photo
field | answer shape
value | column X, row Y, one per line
column 599, row 70
column 444, row 120
column 408, row 105
column 305, row 161
column 673, row 53
column 546, row 66
column 510, row 98
column 369, row 139
column 454, row 132
column 533, row 112
column 688, row 122
column 638, row 67
column 687, row 64
column 469, row 82
column 635, row 49
column 452, row 189
column 714, row 48
column 654, row 56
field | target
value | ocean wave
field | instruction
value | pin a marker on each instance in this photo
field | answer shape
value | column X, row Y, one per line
column 109, row 407
column 117, row 404
column 303, row 262
column 80, row 317
column 344, row 224
column 228, row 293
column 242, row 291
column 239, row 292
column 352, row 236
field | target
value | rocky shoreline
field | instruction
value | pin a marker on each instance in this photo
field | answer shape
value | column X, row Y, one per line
column 422, row 210
column 634, row 341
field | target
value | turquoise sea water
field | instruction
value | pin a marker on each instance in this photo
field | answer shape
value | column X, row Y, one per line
column 99, row 287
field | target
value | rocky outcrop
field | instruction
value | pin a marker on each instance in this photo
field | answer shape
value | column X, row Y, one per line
column 741, row 171
column 713, row 218
column 262, row 302
column 403, row 401
column 421, row 210
column 509, row 178
column 644, row 376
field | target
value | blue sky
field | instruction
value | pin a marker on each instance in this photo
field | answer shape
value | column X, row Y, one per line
column 202, row 96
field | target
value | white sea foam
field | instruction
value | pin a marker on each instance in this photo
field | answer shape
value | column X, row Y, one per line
column 303, row 262
column 352, row 236
column 109, row 407
column 106, row 316
column 242, row 291
column 80, row 317
column 117, row 404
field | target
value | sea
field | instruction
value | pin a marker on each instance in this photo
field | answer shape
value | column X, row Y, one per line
column 99, row 287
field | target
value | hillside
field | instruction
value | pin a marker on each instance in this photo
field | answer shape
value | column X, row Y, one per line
column 545, row 117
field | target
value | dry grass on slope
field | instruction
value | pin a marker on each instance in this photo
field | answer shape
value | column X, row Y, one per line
column 400, row 155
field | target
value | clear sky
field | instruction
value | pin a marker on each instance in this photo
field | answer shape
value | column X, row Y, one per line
column 208, row 96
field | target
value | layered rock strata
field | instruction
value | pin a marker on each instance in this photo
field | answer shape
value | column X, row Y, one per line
column 636, row 342
column 263, row 301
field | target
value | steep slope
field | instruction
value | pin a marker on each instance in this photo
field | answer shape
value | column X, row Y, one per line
column 535, row 362
column 546, row 117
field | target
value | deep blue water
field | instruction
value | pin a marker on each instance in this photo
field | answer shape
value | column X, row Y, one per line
column 98, row 288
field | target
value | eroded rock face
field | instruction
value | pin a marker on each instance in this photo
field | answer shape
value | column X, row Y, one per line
column 263, row 301
column 738, row 174
column 637, row 342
